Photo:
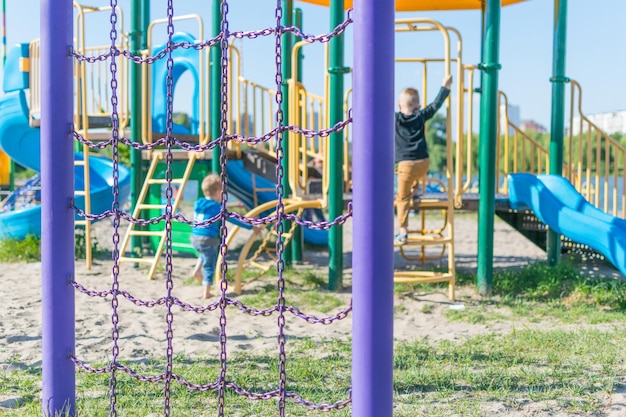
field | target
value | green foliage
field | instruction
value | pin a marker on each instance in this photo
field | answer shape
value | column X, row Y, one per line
column 183, row 119
column 21, row 173
column 436, row 141
column 29, row 249
column 26, row 250
column 80, row 244
column 123, row 154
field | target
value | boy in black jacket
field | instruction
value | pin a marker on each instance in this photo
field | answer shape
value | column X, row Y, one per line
column 411, row 153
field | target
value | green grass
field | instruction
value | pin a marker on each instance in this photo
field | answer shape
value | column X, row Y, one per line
column 24, row 250
column 29, row 248
column 538, row 292
column 561, row 292
column 305, row 290
column 572, row 369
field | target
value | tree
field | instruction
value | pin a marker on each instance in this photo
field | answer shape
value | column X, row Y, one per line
column 436, row 141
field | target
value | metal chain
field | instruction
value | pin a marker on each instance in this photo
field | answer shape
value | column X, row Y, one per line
column 214, row 386
column 324, row 38
column 169, row 192
column 170, row 141
column 115, row 350
column 224, row 34
column 280, row 214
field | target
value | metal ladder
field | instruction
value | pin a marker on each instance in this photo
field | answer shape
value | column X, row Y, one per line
column 143, row 205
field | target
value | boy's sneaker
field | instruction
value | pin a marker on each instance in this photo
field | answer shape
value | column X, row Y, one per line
column 400, row 239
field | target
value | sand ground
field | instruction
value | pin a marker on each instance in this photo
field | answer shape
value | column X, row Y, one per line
column 142, row 330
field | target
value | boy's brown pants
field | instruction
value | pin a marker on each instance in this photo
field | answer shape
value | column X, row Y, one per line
column 409, row 173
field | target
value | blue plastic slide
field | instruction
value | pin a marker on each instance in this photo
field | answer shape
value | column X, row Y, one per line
column 555, row 201
column 21, row 143
column 240, row 185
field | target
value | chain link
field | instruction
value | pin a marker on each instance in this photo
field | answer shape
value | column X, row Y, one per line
column 223, row 143
column 169, row 142
column 324, row 38
column 169, row 209
column 115, row 334
column 255, row 396
column 280, row 213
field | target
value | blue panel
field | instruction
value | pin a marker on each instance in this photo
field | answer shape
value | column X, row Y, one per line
column 183, row 60
column 14, row 78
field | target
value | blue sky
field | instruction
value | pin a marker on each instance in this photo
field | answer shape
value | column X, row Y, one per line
column 595, row 45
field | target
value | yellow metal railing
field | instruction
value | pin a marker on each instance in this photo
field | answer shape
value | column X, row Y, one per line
column 597, row 160
column 516, row 151
column 253, row 106
column 34, row 81
column 454, row 109
column 93, row 80
column 347, row 143
column 458, row 122
column 464, row 167
column 93, row 94
column 306, row 111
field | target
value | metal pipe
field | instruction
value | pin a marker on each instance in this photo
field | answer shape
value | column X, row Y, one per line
column 557, row 123
column 372, row 292
column 487, row 146
column 287, row 45
column 336, row 72
column 57, row 214
column 216, row 81
column 136, row 178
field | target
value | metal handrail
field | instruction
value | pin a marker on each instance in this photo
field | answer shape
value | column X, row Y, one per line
column 528, row 154
column 597, row 160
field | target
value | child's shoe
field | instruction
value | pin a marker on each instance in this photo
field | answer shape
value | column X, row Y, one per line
column 400, row 239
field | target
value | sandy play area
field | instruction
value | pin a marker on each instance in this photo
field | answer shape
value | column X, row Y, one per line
column 142, row 330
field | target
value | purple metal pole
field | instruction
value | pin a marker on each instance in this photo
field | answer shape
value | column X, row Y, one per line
column 372, row 236
column 57, row 216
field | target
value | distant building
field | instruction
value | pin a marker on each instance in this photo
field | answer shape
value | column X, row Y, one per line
column 610, row 122
column 514, row 116
column 527, row 125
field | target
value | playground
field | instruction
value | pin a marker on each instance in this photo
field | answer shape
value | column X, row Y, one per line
column 300, row 159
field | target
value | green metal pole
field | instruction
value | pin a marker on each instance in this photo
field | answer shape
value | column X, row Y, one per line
column 216, row 81
column 487, row 145
column 558, row 112
column 335, row 192
column 298, row 21
column 287, row 46
column 145, row 22
column 296, row 246
column 483, row 14
column 136, row 112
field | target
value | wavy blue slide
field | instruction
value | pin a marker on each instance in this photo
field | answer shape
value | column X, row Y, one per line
column 240, row 185
column 21, row 143
column 555, row 201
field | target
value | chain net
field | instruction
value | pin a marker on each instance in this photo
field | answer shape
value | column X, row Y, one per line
column 277, row 219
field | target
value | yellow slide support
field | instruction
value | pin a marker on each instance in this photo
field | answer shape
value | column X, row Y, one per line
column 5, row 169
column 250, row 257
